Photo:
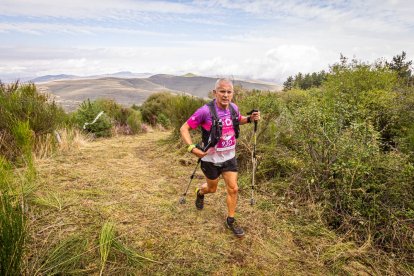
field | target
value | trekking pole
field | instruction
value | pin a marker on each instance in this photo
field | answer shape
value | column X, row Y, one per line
column 182, row 198
column 254, row 160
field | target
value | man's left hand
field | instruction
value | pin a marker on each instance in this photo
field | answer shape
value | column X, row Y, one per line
column 255, row 116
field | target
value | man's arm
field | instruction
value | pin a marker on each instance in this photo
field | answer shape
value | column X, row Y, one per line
column 186, row 136
column 254, row 117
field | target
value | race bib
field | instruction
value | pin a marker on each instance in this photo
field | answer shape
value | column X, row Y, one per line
column 227, row 142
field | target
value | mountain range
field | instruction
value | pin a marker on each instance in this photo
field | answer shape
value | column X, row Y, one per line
column 130, row 88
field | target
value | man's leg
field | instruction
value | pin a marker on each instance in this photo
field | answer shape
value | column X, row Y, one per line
column 230, row 178
column 209, row 187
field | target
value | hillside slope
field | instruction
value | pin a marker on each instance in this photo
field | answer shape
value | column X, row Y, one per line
column 128, row 91
column 136, row 182
column 70, row 93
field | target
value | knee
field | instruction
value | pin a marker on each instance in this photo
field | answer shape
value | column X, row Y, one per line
column 233, row 190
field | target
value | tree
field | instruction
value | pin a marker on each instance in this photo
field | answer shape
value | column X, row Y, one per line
column 288, row 84
column 402, row 67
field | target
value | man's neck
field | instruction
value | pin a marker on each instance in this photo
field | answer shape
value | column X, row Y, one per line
column 222, row 106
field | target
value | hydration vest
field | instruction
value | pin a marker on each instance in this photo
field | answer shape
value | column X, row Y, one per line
column 212, row 137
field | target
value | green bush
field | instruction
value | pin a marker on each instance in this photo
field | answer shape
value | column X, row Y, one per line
column 86, row 113
column 270, row 108
column 163, row 120
column 23, row 103
column 114, row 110
column 180, row 109
column 154, row 106
column 346, row 147
column 134, row 122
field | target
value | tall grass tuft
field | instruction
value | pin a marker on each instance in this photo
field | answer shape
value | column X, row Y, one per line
column 64, row 258
column 50, row 199
column 12, row 234
column 13, row 191
column 106, row 239
column 12, row 224
column 133, row 257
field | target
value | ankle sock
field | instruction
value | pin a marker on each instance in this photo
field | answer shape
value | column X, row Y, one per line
column 230, row 220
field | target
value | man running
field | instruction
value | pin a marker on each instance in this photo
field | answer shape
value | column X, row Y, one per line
column 220, row 159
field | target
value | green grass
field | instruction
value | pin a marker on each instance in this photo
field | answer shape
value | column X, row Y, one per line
column 64, row 258
column 12, row 234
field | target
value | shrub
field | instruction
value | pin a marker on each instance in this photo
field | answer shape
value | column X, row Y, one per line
column 156, row 105
column 345, row 147
column 270, row 108
column 23, row 103
column 86, row 113
column 134, row 122
column 114, row 110
column 180, row 109
column 163, row 120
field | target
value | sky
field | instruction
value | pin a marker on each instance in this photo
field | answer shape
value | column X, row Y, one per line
column 261, row 39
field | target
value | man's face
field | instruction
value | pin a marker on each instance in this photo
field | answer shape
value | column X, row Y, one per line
column 224, row 94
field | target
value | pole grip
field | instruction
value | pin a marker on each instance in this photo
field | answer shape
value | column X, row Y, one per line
column 255, row 126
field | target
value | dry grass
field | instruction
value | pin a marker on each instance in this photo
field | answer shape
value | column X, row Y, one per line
column 135, row 182
column 63, row 140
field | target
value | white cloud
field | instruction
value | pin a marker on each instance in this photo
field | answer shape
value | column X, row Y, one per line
column 260, row 39
column 72, row 29
column 92, row 9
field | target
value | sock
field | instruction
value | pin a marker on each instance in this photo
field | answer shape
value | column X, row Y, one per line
column 230, row 220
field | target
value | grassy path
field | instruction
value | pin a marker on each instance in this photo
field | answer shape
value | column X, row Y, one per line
column 136, row 183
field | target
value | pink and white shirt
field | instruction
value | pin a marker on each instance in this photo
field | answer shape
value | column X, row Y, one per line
column 226, row 147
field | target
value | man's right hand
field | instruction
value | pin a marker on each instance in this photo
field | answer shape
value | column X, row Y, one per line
column 199, row 153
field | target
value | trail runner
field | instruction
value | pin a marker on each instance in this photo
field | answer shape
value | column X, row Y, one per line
column 220, row 159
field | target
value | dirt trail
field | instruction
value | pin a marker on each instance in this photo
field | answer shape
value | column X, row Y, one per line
column 136, row 182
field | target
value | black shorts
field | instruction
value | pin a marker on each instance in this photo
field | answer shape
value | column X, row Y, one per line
column 213, row 170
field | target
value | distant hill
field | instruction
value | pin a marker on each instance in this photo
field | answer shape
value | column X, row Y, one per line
column 189, row 75
column 122, row 74
column 200, row 86
column 48, row 78
column 127, row 91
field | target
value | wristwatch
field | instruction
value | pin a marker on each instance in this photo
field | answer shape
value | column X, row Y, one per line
column 249, row 119
column 191, row 147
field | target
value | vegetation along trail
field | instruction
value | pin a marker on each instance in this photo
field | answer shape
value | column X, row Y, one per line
column 135, row 182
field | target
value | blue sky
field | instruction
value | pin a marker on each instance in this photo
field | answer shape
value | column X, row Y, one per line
column 257, row 39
